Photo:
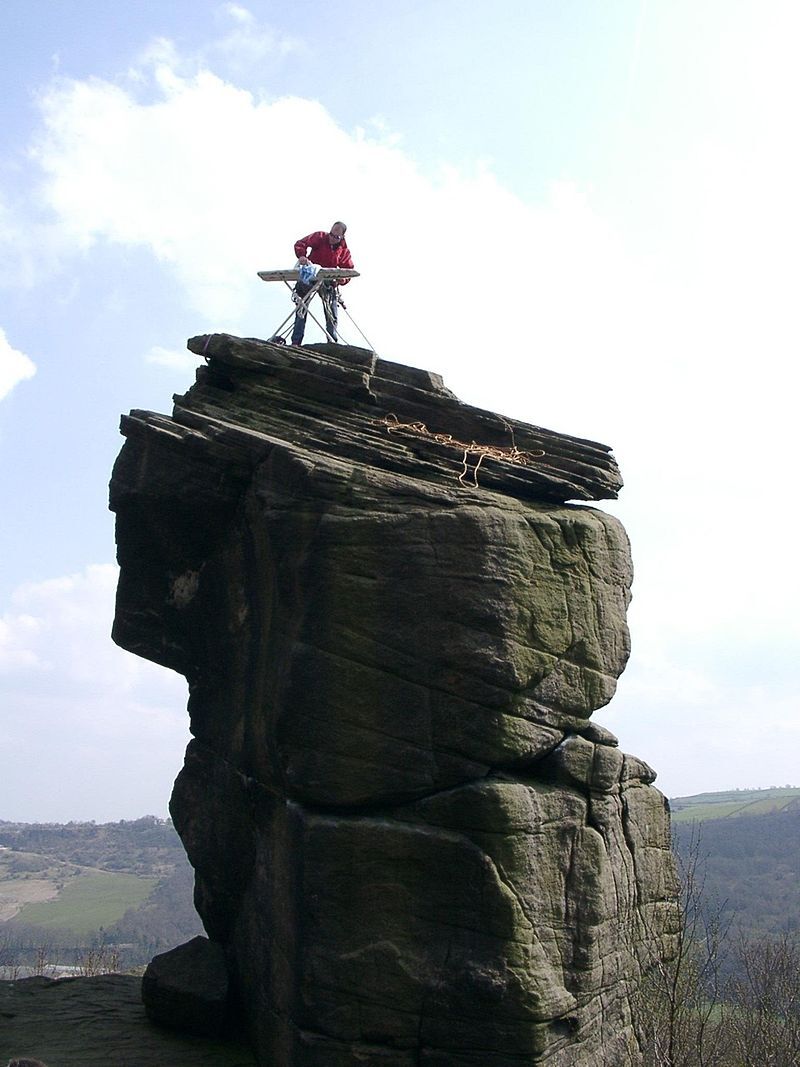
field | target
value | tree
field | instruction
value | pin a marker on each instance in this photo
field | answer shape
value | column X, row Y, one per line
column 719, row 1001
column 680, row 1004
column 765, row 1023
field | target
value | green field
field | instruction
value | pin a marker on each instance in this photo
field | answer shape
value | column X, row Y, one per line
column 92, row 900
column 741, row 802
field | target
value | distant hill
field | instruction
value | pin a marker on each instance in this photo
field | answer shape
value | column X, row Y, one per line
column 66, row 888
column 129, row 884
column 749, row 843
column 734, row 804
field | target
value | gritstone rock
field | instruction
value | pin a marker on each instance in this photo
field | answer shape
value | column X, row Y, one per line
column 187, row 988
column 100, row 1022
column 396, row 616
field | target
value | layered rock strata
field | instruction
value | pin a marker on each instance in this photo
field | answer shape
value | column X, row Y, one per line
column 412, row 843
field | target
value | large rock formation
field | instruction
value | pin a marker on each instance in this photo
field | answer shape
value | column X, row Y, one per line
column 412, row 843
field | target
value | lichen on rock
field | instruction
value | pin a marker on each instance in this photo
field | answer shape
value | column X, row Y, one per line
column 409, row 838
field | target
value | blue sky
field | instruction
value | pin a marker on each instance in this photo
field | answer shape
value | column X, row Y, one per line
column 628, row 169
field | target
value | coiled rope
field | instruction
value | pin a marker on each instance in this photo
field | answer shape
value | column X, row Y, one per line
column 505, row 455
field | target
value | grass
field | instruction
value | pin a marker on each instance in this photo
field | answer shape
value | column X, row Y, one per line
column 89, row 901
column 698, row 812
column 730, row 805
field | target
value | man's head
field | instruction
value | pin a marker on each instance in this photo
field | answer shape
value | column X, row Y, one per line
column 26, row 1061
column 338, row 230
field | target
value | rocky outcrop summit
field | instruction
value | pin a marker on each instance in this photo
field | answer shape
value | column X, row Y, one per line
column 396, row 616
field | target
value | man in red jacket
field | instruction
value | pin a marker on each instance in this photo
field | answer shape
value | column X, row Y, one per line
column 326, row 249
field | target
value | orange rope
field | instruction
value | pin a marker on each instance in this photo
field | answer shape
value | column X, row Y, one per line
column 506, row 455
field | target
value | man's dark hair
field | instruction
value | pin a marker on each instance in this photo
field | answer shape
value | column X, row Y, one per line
column 342, row 224
column 26, row 1061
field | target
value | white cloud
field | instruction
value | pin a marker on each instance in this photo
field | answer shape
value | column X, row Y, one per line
column 172, row 358
column 62, row 624
column 16, row 634
column 104, row 729
column 670, row 340
column 216, row 184
column 15, row 366
column 249, row 42
column 239, row 14
column 31, row 247
column 244, row 45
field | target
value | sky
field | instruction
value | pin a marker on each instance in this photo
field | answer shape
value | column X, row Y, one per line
column 583, row 214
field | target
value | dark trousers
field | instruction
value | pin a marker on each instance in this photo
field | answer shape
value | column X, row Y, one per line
column 330, row 304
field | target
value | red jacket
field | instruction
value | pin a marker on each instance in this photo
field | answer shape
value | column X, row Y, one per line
column 317, row 248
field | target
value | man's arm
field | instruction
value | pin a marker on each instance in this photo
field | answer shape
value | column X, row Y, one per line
column 302, row 246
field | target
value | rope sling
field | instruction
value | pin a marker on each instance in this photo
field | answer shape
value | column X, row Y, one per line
column 511, row 454
column 473, row 454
